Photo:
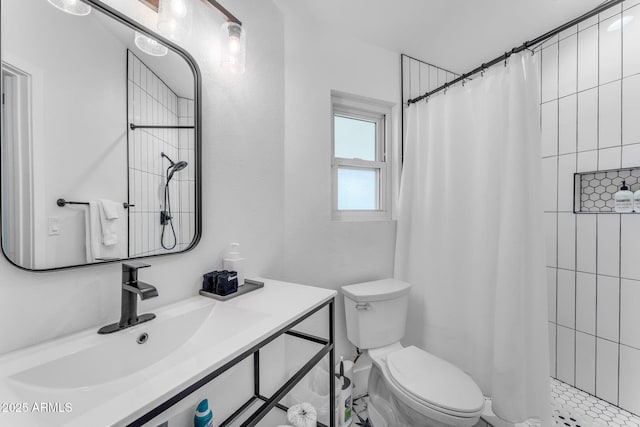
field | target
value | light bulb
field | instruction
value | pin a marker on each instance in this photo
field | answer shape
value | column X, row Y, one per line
column 149, row 45
column 73, row 7
column 179, row 8
column 234, row 44
column 175, row 18
column 233, row 47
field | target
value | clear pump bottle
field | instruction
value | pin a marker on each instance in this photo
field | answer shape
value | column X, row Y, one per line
column 233, row 262
column 624, row 199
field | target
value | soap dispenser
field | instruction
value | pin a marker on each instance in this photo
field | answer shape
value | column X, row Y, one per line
column 624, row 199
column 636, row 201
column 233, row 262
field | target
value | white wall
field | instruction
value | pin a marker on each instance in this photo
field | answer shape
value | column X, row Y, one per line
column 318, row 250
column 243, row 193
column 61, row 138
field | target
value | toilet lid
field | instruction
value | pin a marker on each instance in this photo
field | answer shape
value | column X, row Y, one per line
column 435, row 381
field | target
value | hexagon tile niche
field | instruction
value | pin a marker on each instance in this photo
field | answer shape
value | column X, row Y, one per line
column 594, row 191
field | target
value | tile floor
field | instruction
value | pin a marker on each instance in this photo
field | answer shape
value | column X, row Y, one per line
column 571, row 408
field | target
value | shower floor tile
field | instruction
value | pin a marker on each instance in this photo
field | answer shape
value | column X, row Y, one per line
column 571, row 408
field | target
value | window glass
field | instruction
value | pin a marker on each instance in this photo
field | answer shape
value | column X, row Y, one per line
column 357, row 189
column 354, row 138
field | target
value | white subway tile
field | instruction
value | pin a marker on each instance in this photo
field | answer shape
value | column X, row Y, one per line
column 551, row 41
column 550, row 73
column 566, row 355
column 568, row 32
column 551, row 235
column 568, row 66
column 552, row 349
column 629, row 374
column 588, row 58
column 610, row 52
column 631, row 108
column 608, row 244
column 586, row 302
column 631, row 42
column 587, row 23
column 629, row 4
column 566, row 315
column 586, row 231
column 551, row 293
column 567, row 240
column 607, row 370
column 610, row 112
column 586, row 362
column 609, row 158
column 588, row 120
column 549, row 112
column 588, row 161
column 608, row 307
column 630, row 156
column 629, row 313
column 611, row 12
column 550, row 183
column 630, row 247
column 566, row 170
column 567, row 129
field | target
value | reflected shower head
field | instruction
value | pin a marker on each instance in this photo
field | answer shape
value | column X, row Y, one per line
column 175, row 167
column 179, row 166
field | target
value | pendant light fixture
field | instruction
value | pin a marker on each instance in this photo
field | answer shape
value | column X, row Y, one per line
column 175, row 22
column 233, row 49
column 175, row 19
column 73, row 7
column 149, row 45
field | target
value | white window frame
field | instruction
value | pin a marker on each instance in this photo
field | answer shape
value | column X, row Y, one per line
column 357, row 107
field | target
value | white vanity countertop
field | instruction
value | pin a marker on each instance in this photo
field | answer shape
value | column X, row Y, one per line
column 122, row 400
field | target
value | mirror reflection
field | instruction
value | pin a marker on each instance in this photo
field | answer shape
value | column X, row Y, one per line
column 99, row 145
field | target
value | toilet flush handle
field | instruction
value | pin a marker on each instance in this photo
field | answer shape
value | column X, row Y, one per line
column 364, row 306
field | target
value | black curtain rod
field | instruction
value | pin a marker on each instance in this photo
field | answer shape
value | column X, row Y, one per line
column 524, row 46
column 134, row 127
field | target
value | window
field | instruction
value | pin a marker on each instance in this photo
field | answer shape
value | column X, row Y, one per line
column 360, row 164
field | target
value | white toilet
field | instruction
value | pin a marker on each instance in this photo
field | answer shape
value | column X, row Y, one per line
column 408, row 387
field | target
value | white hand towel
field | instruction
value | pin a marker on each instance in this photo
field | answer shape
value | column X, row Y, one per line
column 95, row 249
column 110, row 212
column 302, row 415
column 111, row 209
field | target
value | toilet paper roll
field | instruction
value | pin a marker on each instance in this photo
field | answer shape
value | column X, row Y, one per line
column 302, row 415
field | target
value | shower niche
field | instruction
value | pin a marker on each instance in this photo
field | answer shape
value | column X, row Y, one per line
column 594, row 191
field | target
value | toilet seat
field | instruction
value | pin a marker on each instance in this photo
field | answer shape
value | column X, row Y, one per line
column 430, row 385
column 435, row 382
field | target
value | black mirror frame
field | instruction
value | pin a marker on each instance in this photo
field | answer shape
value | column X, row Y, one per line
column 109, row 11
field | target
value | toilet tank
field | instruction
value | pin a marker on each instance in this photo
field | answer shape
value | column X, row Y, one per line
column 376, row 312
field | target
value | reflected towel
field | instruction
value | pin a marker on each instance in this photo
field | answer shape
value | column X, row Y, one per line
column 302, row 415
column 95, row 249
column 110, row 212
column 111, row 209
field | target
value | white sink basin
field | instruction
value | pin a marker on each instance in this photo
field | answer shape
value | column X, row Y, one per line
column 174, row 334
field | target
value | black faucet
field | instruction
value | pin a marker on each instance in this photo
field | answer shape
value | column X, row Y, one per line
column 131, row 288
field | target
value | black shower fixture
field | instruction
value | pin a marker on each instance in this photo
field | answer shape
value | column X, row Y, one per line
column 166, row 217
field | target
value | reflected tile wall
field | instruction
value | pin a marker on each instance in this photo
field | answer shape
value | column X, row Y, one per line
column 152, row 102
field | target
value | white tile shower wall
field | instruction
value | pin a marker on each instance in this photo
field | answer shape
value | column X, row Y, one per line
column 590, row 93
column 152, row 102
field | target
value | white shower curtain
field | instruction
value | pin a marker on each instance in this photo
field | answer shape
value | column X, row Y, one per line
column 471, row 238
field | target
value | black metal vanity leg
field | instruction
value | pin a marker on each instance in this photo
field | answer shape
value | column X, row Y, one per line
column 256, row 373
column 332, row 367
